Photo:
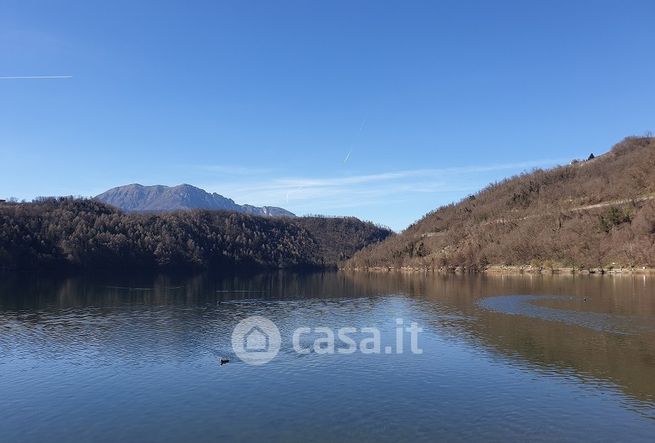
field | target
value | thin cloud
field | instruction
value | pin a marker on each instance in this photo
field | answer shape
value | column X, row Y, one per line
column 36, row 77
column 327, row 193
column 398, row 175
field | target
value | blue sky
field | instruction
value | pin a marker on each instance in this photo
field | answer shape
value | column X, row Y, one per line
column 382, row 110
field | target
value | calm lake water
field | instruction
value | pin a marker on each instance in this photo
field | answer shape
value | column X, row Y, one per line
column 504, row 358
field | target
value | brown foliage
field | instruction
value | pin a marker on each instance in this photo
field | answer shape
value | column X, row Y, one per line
column 89, row 234
column 544, row 218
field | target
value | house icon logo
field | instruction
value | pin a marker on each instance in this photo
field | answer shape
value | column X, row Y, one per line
column 256, row 340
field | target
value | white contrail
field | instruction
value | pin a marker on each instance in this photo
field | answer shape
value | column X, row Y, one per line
column 36, row 77
column 361, row 128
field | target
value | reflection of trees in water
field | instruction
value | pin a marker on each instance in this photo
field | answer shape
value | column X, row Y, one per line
column 167, row 316
column 627, row 360
column 156, row 317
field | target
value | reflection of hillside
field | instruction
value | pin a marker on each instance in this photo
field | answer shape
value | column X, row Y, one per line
column 626, row 360
column 153, row 318
column 160, row 290
column 117, row 316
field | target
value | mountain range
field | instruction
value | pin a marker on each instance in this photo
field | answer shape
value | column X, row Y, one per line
column 160, row 198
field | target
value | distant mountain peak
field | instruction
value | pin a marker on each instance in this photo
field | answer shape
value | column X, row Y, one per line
column 156, row 198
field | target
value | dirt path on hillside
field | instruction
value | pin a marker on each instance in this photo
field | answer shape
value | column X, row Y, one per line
column 544, row 214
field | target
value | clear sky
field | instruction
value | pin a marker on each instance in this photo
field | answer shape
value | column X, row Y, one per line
column 379, row 109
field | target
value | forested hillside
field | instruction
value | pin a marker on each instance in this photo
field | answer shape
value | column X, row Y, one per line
column 340, row 237
column 593, row 213
column 80, row 233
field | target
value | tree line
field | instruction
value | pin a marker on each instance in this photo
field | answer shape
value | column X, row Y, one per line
column 83, row 233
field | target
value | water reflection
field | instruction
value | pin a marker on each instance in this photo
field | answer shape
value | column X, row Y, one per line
column 481, row 327
column 528, row 306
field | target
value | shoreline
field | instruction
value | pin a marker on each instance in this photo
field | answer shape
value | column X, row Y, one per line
column 512, row 270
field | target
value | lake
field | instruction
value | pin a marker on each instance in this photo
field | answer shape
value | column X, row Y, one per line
column 118, row 358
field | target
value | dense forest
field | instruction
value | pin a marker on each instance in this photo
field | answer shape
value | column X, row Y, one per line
column 595, row 213
column 340, row 237
column 80, row 233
